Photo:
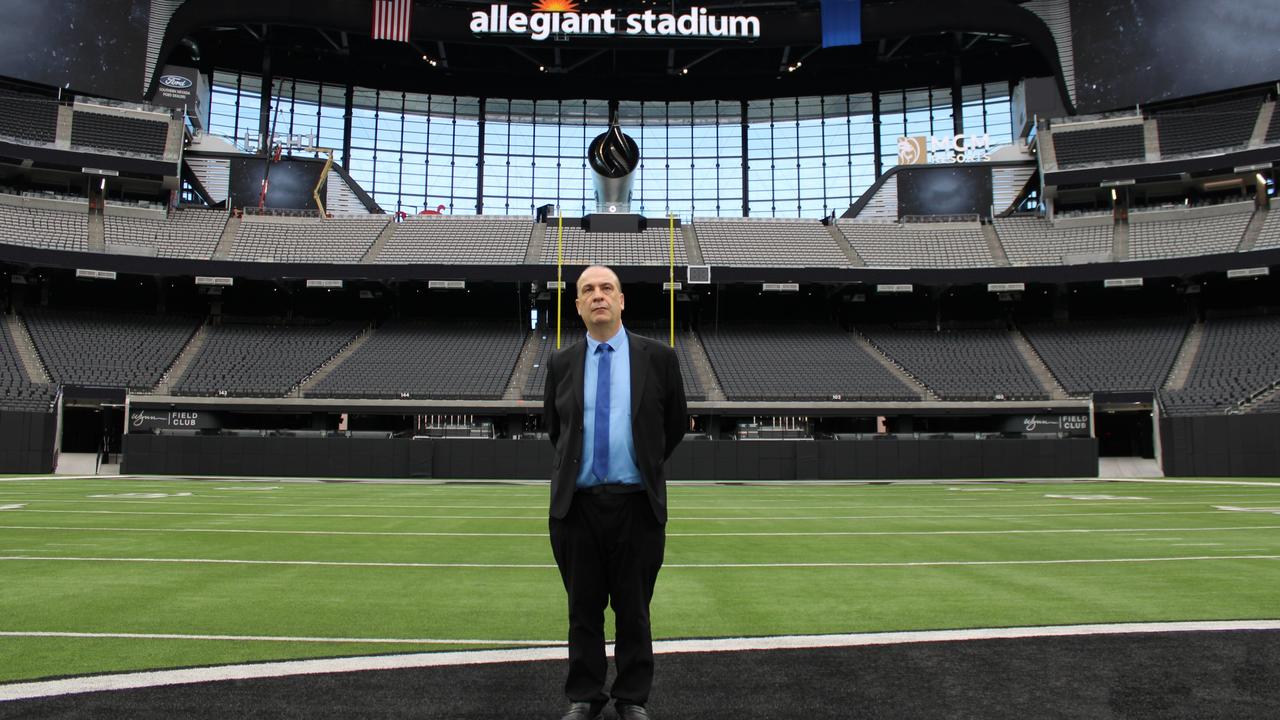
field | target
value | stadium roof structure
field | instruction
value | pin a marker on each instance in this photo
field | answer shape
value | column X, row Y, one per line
column 906, row 43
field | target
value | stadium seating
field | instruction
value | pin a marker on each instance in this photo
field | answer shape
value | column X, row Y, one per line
column 768, row 243
column 49, row 229
column 186, row 234
column 28, row 118
column 107, row 349
column 16, row 391
column 1269, row 237
column 660, row 332
column 962, row 364
column 1036, row 241
column 306, row 240
column 1185, row 237
column 248, row 360
column 414, row 359
column 1109, row 356
column 651, row 247
column 459, row 239
column 1208, row 126
column 535, row 383
column 799, row 362
column 1103, row 145
column 117, row 133
column 919, row 245
column 1237, row 358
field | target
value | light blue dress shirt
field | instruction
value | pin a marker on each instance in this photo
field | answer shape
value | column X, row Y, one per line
column 622, row 446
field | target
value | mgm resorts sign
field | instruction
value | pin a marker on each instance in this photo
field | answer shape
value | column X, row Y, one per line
column 560, row 19
column 941, row 149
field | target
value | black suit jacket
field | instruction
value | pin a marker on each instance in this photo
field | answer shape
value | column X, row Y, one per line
column 658, row 417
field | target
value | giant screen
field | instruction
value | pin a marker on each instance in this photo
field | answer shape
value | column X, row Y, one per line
column 97, row 47
column 1130, row 52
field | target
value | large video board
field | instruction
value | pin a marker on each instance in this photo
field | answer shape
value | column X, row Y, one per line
column 1130, row 52
column 97, row 47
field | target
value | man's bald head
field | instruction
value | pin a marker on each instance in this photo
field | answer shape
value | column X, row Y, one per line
column 600, row 301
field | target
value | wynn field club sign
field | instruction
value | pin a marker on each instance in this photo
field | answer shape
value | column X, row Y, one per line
column 561, row 18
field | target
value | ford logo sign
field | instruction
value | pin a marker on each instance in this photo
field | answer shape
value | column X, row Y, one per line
column 175, row 81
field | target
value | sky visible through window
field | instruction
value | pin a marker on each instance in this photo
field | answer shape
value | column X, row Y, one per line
column 802, row 157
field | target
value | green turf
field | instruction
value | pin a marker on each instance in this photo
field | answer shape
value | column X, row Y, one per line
column 380, row 529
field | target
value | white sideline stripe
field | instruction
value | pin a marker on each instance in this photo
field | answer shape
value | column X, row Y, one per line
column 815, row 533
column 683, row 566
column 279, row 638
column 542, row 518
column 188, row 500
column 1201, row 482
column 57, row 477
column 160, row 678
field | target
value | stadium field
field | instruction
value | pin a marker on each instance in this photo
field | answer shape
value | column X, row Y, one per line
column 122, row 574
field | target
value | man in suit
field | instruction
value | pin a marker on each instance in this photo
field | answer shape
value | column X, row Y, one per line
column 615, row 410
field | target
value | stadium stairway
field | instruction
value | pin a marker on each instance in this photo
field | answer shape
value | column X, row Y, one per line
column 1120, row 242
column 524, row 366
column 97, row 233
column 1151, row 139
column 691, row 247
column 371, row 255
column 536, row 239
column 322, row 372
column 702, row 367
column 1252, row 230
column 842, row 242
column 1186, row 357
column 228, row 239
column 994, row 244
column 174, row 373
column 26, row 350
column 1038, row 367
column 1259, row 135
column 911, row 381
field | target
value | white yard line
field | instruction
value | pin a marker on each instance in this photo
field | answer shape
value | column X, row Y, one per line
column 188, row 501
column 679, row 566
column 1174, row 481
column 542, row 518
column 815, row 533
column 278, row 638
column 160, row 678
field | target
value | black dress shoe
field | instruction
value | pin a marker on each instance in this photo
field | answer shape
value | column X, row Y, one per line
column 585, row 711
column 631, row 712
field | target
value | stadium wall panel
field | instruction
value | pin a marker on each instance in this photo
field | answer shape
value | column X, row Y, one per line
column 1221, row 445
column 531, row 459
column 26, row 442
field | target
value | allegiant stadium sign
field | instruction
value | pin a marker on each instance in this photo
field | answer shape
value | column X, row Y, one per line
column 560, row 18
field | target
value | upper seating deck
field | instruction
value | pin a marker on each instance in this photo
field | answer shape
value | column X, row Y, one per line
column 459, row 240
column 767, row 243
column 919, row 245
column 185, row 234
column 306, row 240
column 651, row 247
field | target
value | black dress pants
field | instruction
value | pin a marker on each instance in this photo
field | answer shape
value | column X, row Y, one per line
column 609, row 549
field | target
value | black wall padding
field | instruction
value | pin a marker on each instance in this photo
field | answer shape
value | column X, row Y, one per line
column 1221, row 446
column 26, row 442
column 531, row 459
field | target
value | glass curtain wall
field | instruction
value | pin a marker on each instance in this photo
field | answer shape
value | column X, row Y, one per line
column 803, row 157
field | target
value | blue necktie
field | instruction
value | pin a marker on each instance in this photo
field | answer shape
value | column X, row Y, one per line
column 600, row 456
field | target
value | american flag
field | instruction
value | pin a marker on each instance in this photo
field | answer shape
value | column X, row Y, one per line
column 391, row 19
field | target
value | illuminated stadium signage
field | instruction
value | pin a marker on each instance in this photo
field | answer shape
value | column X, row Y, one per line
column 561, row 18
column 941, row 149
